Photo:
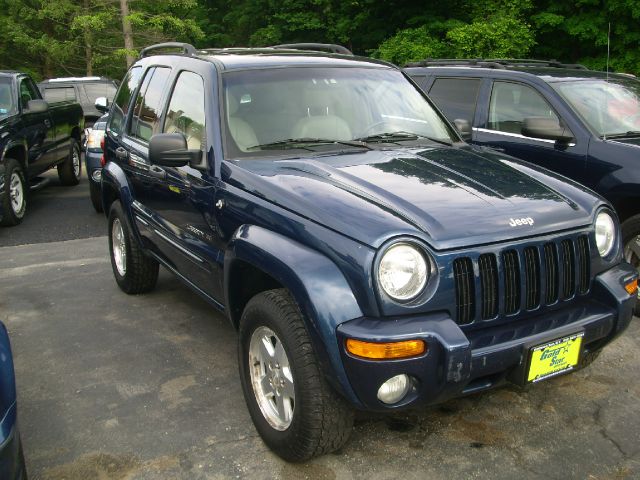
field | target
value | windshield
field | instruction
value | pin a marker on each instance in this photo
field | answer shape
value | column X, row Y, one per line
column 7, row 102
column 610, row 108
column 319, row 109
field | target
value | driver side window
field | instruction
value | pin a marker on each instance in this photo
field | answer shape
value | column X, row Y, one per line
column 186, row 110
column 511, row 103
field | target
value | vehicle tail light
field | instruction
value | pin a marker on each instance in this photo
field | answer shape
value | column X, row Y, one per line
column 103, row 161
column 102, row 143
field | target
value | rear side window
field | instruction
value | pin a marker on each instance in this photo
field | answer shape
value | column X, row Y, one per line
column 96, row 90
column 148, row 104
column 186, row 110
column 120, row 108
column 59, row 94
column 511, row 103
column 456, row 97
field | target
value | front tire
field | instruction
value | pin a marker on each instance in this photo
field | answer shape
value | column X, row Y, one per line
column 69, row 171
column 14, row 199
column 133, row 270
column 294, row 410
column 631, row 242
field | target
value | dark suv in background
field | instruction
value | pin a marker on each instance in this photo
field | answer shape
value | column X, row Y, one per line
column 578, row 122
column 84, row 90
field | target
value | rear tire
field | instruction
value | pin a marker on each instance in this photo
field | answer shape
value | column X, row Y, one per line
column 70, row 170
column 96, row 196
column 133, row 270
column 293, row 408
column 631, row 242
column 14, row 199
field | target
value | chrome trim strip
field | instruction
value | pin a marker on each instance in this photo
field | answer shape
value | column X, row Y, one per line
column 141, row 220
column 140, row 208
column 179, row 247
column 517, row 135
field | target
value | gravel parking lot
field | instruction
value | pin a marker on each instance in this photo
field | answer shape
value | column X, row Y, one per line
column 119, row 387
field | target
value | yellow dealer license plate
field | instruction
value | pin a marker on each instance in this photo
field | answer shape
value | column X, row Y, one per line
column 554, row 358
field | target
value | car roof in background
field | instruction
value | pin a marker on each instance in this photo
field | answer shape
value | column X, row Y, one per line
column 61, row 80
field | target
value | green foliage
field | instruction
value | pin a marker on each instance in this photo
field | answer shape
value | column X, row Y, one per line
column 71, row 37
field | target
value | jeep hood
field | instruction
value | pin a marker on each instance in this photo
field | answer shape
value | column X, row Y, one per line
column 450, row 197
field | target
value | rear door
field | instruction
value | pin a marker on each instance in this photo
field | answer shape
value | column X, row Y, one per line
column 38, row 128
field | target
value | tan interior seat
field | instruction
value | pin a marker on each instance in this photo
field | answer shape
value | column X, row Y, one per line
column 320, row 121
column 240, row 131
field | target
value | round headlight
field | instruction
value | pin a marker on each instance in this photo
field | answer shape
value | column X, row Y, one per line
column 605, row 233
column 403, row 272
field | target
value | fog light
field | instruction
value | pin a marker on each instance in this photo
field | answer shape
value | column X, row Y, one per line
column 394, row 389
column 96, row 175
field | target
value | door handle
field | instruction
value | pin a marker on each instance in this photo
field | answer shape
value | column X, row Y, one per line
column 157, row 172
column 121, row 153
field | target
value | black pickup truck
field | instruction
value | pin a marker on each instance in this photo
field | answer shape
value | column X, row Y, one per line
column 34, row 137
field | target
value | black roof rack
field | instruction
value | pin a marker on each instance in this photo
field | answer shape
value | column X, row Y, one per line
column 322, row 47
column 497, row 63
column 187, row 48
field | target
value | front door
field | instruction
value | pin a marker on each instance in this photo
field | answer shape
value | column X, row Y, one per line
column 510, row 103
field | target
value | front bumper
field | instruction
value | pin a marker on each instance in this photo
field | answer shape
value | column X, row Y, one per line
column 92, row 163
column 460, row 362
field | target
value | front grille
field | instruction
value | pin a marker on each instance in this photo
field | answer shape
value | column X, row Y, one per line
column 523, row 278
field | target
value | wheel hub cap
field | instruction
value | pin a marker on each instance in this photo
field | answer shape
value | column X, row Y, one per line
column 632, row 254
column 16, row 193
column 119, row 247
column 271, row 378
column 76, row 163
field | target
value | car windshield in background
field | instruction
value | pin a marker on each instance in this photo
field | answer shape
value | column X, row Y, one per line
column 320, row 109
column 7, row 102
column 610, row 108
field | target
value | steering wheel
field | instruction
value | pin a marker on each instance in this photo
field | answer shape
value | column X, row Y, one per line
column 367, row 131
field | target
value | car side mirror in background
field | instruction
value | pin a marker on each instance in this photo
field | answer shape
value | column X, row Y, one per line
column 547, row 128
column 102, row 104
column 464, row 128
column 170, row 150
column 37, row 106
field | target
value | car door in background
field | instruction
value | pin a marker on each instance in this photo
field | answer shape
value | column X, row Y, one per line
column 501, row 127
column 38, row 129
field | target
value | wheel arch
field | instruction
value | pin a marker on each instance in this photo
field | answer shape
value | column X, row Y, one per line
column 316, row 284
column 18, row 151
column 114, row 186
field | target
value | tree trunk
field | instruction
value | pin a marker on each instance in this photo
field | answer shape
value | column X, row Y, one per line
column 88, row 47
column 126, row 30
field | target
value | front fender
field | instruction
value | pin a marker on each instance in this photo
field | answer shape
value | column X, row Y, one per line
column 315, row 282
column 114, row 183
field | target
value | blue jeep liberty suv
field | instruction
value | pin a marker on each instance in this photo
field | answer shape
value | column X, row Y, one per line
column 366, row 255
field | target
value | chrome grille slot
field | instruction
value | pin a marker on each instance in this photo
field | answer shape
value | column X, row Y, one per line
column 489, row 284
column 568, row 269
column 465, row 292
column 511, row 270
column 532, row 277
column 551, row 273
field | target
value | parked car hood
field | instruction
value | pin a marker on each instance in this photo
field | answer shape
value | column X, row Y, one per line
column 450, row 197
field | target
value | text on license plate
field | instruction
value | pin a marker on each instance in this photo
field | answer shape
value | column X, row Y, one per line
column 554, row 358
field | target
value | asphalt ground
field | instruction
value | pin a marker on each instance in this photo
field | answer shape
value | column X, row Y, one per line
column 112, row 386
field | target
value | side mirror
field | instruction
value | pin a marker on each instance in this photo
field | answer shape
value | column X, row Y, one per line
column 464, row 127
column 102, row 104
column 170, row 150
column 37, row 106
column 547, row 128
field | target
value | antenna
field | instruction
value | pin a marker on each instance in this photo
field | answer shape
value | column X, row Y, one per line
column 608, row 49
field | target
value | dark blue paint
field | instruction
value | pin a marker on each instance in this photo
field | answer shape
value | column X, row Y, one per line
column 317, row 226
column 11, row 464
column 609, row 167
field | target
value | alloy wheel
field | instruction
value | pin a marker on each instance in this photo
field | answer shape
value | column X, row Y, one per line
column 118, row 245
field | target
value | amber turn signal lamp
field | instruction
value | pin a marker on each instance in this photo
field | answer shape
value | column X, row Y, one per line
column 631, row 287
column 387, row 350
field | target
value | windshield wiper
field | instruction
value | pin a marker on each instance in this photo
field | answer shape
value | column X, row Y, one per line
column 629, row 134
column 399, row 136
column 301, row 142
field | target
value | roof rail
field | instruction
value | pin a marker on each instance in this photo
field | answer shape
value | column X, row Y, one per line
column 322, row 47
column 497, row 63
column 187, row 48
